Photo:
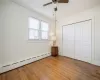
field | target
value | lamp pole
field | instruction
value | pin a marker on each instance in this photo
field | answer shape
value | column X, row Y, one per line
column 55, row 9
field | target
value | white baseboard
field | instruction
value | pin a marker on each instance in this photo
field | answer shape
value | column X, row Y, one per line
column 22, row 63
column 0, row 68
column 96, row 63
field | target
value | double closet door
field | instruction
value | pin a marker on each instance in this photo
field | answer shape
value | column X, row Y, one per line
column 77, row 41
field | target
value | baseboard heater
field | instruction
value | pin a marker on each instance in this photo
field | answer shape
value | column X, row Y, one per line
column 22, row 63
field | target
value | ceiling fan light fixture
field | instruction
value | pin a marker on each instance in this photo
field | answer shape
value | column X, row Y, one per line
column 55, row 9
column 55, row 5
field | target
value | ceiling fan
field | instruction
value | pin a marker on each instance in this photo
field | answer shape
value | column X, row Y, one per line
column 55, row 2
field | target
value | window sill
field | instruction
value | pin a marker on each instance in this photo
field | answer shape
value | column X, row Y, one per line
column 37, row 41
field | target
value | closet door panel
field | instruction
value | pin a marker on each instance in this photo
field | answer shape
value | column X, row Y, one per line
column 83, row 41
column 86, row 41
column 78, row 41
column 68, row 41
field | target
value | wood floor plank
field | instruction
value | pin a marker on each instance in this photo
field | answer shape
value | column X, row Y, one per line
column 26, row 72
column 39, row 71
column 13, row 75
column 54, row 68
column 0, row 77
column 3, row 76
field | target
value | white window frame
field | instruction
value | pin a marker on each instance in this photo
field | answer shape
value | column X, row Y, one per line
column 44, row 30
column 33, row 29
column 39, row 30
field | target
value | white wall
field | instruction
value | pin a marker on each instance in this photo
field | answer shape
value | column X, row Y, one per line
column 93, row 14
column 0, row 39
column 1, row 32
column 15, row 32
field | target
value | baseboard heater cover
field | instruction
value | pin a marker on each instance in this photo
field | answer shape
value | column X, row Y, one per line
column 22, row 63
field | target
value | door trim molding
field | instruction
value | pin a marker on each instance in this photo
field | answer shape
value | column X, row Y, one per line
column 92, row 37
column 78, row 22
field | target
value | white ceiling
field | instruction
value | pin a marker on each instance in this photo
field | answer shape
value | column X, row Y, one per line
column 66, row 9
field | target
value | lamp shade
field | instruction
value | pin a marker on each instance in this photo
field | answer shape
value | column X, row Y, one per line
column 51, row 34
column 53, row 38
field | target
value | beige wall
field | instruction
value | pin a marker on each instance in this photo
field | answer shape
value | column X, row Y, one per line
column 93, row 14
column 1, row 31
column 1, row 35
column 17, row 47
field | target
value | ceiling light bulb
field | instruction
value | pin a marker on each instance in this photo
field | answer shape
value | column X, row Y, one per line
column 55, row 5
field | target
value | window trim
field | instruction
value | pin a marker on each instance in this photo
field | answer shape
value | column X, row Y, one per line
column 45, row 31
column 40, row 30
column 28, row 34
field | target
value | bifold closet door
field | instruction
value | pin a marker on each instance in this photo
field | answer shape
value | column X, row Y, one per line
column 77, row 41
column 68, row 41
column 83, row 41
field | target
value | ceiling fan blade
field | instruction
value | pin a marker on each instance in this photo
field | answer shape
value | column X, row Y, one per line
column 47, row 4
column 63, row 1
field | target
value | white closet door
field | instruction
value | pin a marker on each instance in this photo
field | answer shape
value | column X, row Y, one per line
column 83, row 41
column 78, row 41
column 68, row 41
column 86, row 41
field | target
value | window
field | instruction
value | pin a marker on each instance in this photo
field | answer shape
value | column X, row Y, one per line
column 44, row 30
column 38, row 30
column 33, row 28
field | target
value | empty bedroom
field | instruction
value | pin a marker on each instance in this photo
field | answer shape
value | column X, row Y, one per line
column 49, row 39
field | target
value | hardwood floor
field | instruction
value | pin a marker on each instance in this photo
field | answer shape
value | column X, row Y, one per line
column 54, row 68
